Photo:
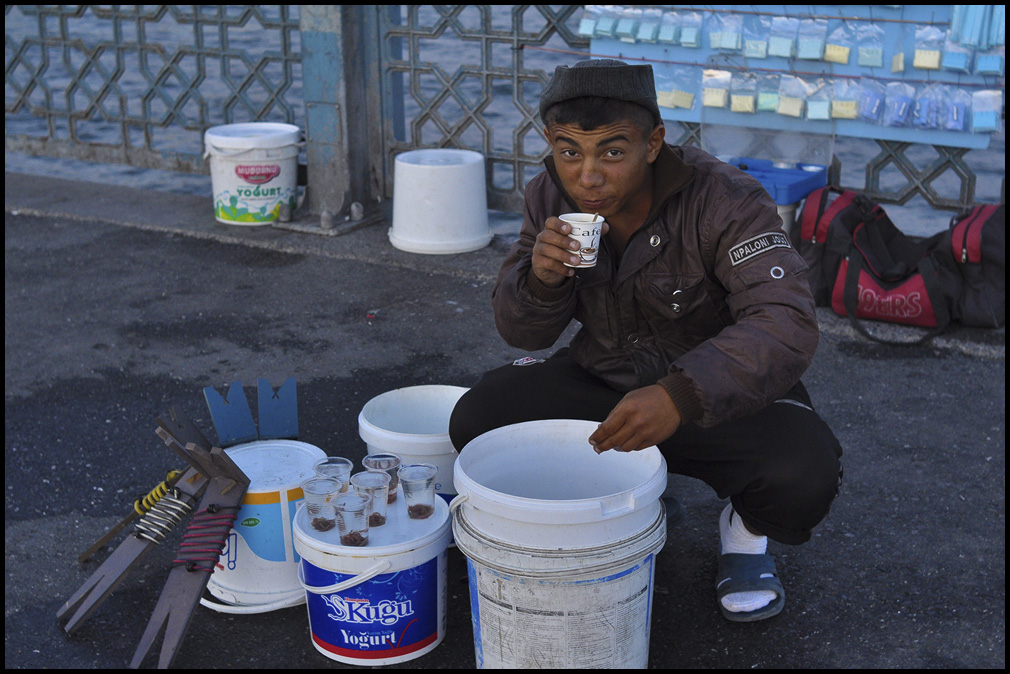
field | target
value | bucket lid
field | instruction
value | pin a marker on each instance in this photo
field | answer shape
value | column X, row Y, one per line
column 398, row 535
column 252, row 135
column 273, row 465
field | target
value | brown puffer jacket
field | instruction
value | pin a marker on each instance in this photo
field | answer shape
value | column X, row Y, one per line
column 709, row 299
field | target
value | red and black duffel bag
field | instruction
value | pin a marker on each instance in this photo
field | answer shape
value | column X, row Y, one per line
column 973, row 250
column 864, row 267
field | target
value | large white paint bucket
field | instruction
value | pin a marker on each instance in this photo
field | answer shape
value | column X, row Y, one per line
column 257, row 571
column 379, row 604
column 253, row 171
column 413, row 423
column 560, row 545
column 439, row 202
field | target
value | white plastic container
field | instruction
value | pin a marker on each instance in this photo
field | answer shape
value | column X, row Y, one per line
column 383, row 603
column 788, row 214
column 257, row 571
column 561, row 546
column 413, row 423
column 253, row 170
column 439, row 202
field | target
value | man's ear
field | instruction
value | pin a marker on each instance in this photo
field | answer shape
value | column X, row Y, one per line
column 655, row 142
column 547, row 135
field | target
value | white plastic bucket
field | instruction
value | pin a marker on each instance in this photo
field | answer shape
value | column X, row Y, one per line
column 440, row 202
column 253, row 170
column 257, row 571
column 560, row 545
column 788, row 214
column 379, row 604
column 413, row 423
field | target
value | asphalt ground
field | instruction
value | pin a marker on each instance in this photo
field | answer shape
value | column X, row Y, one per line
column 121, row 304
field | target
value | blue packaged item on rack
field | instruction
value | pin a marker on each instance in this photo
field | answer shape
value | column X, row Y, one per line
column 784, row 185
column 956, row 60
column 605, row 26
column 899, row 108
column 924, row 113
column 956, row 115
column 871, row 104
column 985, row 121
column 989, row 64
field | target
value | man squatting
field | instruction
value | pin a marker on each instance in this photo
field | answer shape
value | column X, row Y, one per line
column 697, row 323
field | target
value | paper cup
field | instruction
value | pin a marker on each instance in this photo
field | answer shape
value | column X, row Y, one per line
column 587, row 233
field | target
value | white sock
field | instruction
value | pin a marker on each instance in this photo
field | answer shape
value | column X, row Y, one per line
column 734, row 538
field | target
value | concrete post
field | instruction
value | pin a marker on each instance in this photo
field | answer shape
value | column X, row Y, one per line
column 340, row 70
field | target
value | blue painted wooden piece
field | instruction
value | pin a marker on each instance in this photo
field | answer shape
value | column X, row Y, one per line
column 231, row 415
column 278, row 410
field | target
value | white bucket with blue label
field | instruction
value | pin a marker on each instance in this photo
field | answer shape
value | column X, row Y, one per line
column 380, row 604
column 257, row 571
column 561, row 546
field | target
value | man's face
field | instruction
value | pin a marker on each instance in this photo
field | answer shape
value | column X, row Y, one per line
column 607, row 170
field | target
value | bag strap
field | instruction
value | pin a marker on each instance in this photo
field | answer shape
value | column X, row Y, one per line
column 817, row 215
column 813, row 206
column 843, row 201
column 850, row 298
column 884, row 262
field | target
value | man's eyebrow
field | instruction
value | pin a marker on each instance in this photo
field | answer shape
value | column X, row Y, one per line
column 614, row 139
column 566, row 139
column 606, row 141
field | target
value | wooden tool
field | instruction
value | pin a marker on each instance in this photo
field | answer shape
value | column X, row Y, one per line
column 130, row 552
column 219, row 485
column 214, row 480
column 198, row 554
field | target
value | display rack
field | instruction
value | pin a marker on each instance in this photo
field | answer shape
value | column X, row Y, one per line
column 711, row 62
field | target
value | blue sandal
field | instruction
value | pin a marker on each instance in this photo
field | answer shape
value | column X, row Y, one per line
column 742, row 573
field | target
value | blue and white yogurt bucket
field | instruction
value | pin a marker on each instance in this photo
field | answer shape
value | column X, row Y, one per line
column 383, row 603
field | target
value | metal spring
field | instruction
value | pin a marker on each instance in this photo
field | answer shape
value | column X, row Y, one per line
column 145, row 503
column 205, row 538
column 162, row 517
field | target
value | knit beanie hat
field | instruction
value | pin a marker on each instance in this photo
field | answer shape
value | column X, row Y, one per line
column 607, row 78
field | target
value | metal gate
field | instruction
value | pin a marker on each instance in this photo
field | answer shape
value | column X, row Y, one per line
column 138, row 85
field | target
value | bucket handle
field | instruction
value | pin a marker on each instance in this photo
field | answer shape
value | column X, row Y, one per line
column 368, row 574
column 298, row 597
column 457, row 502
column 615, row 507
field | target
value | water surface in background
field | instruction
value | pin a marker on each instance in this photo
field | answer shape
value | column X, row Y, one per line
column 449, row 52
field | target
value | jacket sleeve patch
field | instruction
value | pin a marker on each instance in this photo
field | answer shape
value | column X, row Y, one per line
column 756, row 245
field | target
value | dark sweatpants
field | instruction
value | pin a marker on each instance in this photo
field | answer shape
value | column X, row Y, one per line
column 779, row 467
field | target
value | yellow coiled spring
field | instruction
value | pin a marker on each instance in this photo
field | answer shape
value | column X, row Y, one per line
column 161, row 510
column 145, row 503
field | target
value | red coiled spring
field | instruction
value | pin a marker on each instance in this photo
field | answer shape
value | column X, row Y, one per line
column 205, row 538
